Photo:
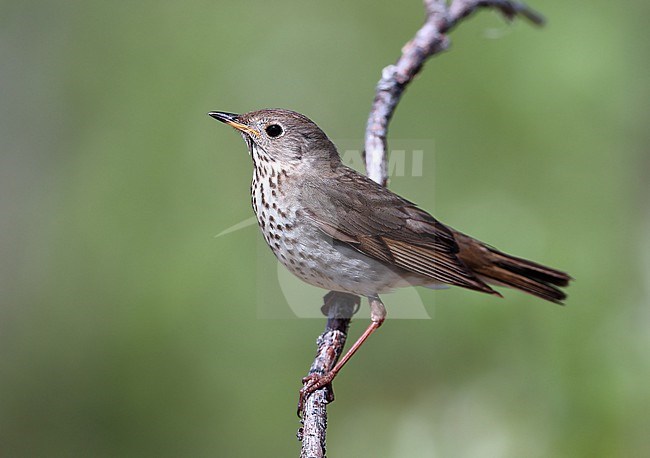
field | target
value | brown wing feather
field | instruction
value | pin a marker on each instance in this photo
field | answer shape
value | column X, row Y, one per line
column 386, row 227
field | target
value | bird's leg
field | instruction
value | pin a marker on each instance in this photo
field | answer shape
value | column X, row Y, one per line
column 315, row 382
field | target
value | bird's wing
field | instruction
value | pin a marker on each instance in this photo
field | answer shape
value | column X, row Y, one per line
column 357, row 211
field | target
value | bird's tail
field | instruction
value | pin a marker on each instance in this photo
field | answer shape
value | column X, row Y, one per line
column 498, row 268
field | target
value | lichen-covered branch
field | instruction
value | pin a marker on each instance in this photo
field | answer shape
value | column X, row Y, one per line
column 339, row 308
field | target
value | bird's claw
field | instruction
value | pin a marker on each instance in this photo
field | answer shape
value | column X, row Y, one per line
column 311, row 383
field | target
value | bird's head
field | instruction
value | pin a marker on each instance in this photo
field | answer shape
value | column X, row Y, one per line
column 281, row 136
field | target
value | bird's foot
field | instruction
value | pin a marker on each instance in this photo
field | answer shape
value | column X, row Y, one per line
column 312, row 383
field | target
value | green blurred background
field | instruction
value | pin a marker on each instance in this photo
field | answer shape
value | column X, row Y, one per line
column 128, row 330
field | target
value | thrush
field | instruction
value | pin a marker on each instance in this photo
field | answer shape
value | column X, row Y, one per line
column 336, row 229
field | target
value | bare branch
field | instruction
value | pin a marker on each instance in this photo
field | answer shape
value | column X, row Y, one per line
column 429, row 40
column 460, row 9
column 339, row 308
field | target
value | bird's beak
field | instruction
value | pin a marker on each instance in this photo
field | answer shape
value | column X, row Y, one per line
column 232, row 120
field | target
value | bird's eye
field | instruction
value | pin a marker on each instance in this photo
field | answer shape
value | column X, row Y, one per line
column 274, row 130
